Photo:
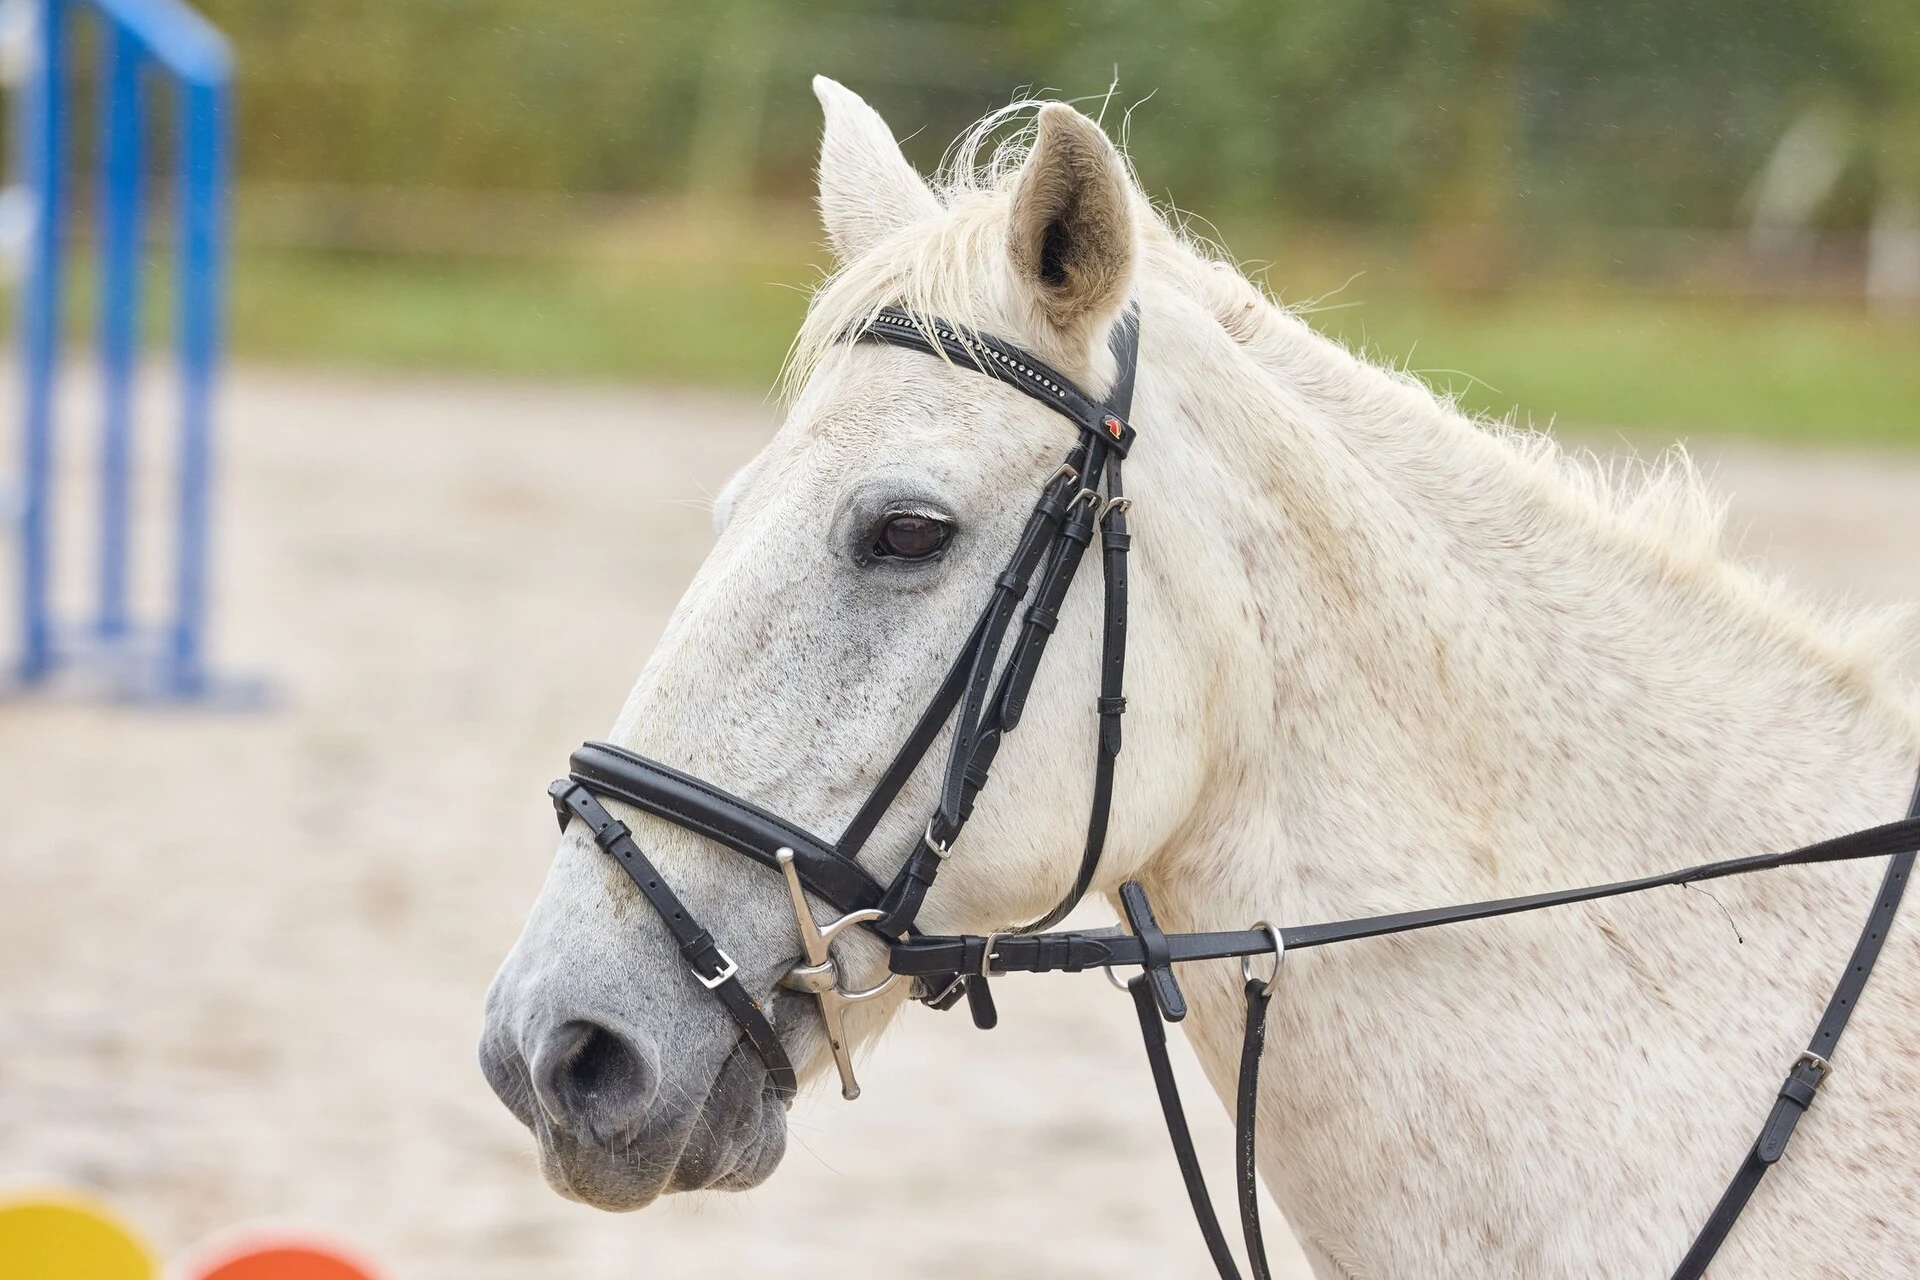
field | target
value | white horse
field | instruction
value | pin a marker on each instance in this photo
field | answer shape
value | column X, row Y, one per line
column 1383, row 657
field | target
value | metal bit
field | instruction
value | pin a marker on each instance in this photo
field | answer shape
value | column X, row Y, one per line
column 819, row 976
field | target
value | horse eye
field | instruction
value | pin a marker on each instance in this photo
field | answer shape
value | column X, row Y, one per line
column 910, row 537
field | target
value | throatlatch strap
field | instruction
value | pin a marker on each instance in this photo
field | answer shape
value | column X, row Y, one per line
column 713, row 968
column 1809, row 1071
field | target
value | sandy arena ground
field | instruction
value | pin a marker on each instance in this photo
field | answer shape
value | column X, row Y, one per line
column 242, row 955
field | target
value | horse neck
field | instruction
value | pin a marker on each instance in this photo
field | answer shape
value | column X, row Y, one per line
column 1440, row 638
column 1444, row 672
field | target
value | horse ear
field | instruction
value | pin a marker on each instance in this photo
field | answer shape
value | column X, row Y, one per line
column 1071, row 237
column 867, row 188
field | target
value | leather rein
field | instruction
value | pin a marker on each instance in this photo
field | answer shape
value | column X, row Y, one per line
column 1083, row 497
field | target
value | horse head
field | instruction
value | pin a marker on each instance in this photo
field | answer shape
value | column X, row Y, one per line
column 852, row 559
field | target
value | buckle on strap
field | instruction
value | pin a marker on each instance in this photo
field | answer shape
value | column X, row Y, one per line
column 728, row 967
column 986, row 954
column 1811, row 1059
column 948, row 996
column 1804, row 1078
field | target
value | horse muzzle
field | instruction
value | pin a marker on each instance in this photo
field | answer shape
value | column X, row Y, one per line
column 613, row 1133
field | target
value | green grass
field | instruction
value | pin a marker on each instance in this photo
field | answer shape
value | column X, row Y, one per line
column 691, row 307
column 689, row 322
column 1797, row 373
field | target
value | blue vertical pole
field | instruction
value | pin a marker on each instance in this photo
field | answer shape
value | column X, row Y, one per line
column 42, row 143
column 122, row 135
column 203, row 147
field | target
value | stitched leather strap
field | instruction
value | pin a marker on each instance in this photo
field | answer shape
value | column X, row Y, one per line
column 919, row 742
column 980, row 1002
column 975, row 740
column 1809, row 1071
column 714, row 969
column 1043, row 615
column 1245, row 1116
column 1112, row 702
column 1246, row 1109
column 1153, row 998
column 1110, row 705
column 1155, row 1037
column 1093, row 948
column 966, row 678
column 1066, row 952
column 1892, row 837
column 981, row 721
column 1056, row 533
column 725, row 818
column 1010, row 699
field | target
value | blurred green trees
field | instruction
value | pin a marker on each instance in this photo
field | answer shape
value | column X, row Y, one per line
column 1438, row 113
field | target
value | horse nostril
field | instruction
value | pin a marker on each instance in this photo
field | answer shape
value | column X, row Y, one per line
column 601, row 1061
column 594, row 1082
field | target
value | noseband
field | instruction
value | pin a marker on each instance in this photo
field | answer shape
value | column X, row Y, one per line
column 1084, row 495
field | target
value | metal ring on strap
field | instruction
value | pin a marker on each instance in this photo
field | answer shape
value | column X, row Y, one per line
column 1279, row 954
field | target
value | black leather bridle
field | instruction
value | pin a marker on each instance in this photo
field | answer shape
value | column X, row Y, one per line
column 1072, row 508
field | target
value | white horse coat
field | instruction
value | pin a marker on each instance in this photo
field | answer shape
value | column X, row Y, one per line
column 1381, row 657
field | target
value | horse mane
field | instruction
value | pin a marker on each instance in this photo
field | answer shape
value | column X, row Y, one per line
column 1662, row 506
